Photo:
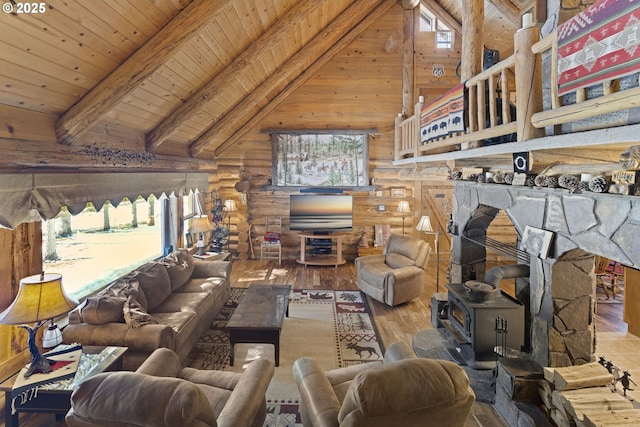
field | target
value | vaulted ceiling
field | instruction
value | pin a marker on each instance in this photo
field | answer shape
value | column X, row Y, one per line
column 185, row 75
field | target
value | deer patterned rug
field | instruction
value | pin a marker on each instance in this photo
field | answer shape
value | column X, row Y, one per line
column 333, row 327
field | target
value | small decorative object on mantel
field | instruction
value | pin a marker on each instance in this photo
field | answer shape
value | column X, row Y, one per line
column 625, row 182
column 456, row 175
column 598, row 184
column 630, row 159
column 471, row 174
column 570, row 182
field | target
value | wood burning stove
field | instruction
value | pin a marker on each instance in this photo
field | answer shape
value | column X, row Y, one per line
column 473, row 325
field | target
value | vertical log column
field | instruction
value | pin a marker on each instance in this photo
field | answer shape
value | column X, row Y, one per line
column 408, row 84
column 528, row 82
column 472, row 38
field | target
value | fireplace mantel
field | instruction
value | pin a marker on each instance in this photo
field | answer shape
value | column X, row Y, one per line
column 558, row 293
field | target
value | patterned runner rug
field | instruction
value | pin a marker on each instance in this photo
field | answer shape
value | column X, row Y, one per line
column 333, row 327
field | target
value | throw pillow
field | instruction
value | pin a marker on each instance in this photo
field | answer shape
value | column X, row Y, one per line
column 103, row 309
column 179, row 265
column 135, row 315
column 124, row 287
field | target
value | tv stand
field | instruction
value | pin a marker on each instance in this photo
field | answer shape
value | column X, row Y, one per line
column 322, row 244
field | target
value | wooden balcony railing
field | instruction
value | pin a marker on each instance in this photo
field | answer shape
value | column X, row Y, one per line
column 523, row 70
column 613, row 97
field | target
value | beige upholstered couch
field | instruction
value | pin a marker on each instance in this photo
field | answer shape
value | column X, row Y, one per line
column 398, row 274
column 401, row 391
column 163, row 394
column 165, row 303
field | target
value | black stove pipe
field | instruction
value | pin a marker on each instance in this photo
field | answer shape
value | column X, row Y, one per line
column 497, row 273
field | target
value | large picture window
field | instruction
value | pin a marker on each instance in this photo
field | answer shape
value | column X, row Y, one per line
column 320, row 158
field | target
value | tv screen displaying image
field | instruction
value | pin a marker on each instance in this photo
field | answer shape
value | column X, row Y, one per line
column 320, row 212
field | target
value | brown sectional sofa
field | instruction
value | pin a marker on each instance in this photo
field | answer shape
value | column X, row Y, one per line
column 165, row 303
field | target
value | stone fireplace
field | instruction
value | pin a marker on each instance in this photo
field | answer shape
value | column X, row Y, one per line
column 558, row 295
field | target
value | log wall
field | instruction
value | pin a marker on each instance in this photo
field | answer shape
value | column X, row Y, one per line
column 360, row 89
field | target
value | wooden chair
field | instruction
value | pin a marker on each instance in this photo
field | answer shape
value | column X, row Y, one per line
column 271, row 246
column 608, row 274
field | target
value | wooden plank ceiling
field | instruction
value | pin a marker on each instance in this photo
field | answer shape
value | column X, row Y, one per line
column 192, row 73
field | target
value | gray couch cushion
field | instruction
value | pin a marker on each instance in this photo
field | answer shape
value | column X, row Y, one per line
column 154, row 282
column 103, row 309
column 179, row 265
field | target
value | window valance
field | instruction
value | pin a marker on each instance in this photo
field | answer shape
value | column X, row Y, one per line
column 29, row 197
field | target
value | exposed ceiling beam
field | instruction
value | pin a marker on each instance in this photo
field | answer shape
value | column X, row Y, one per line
column 508, row 10
column 357, row 12
column 241, row 63
column 140, row 65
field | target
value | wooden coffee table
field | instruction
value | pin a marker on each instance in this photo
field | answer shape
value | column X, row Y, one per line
column 56, row 398
column 258, row 318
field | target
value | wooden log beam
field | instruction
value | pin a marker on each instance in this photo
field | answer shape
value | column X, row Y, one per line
column 140, row 65
column 20, row 155
column 508, row 10
column 408, row 83
column 472, row 48
column 528, row 82
column 324, row 47
column 226, row 77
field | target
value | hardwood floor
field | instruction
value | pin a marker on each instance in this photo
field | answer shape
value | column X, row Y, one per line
column 394, row 324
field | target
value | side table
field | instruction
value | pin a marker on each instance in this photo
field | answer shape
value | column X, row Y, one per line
column 369, row 250
column 56, row 397
column 213, row 256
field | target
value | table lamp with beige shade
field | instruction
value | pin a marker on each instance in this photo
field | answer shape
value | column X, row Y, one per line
column 404, row 209
column 200, row 224
column 40, row 298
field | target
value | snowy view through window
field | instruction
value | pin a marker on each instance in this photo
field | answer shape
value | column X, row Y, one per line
column 93, row 248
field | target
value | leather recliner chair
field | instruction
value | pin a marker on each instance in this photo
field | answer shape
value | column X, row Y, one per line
column 398, row 274
column 160, row 393
column 403, row 390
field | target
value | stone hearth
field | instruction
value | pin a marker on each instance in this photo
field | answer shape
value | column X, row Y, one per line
column 559, row 293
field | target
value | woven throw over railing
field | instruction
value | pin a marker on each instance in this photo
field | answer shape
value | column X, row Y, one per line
column 599, row 44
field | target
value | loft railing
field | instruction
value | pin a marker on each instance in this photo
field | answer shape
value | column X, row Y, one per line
column 614, row 97
column 523, row 70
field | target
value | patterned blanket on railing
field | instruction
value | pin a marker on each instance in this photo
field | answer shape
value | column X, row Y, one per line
column 599, row 44
column 443, row 116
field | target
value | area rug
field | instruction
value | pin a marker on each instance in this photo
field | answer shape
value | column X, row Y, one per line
column 333, row 327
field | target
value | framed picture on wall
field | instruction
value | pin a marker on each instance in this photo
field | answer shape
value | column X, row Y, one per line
column 398, row 192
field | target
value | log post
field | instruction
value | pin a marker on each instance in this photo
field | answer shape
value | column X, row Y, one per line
column 408, row 26
column 528, row 82
column 472, row 24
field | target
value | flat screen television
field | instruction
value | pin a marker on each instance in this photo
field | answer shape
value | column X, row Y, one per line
column 320, row 212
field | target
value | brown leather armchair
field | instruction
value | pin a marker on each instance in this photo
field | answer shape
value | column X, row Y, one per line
column 398, row 274
column 163, row 394
column 403, row 391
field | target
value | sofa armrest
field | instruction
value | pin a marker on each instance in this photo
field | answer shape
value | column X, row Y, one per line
column 146, row 338
column 248, row 396
column 320, row 402
column 161, row 363
column 369, row 259
column 403, row 274
column 133, row 399
column 211, row 269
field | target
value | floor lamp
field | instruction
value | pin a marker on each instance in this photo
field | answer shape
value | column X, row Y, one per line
column 403, row 208
column 425, row 226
